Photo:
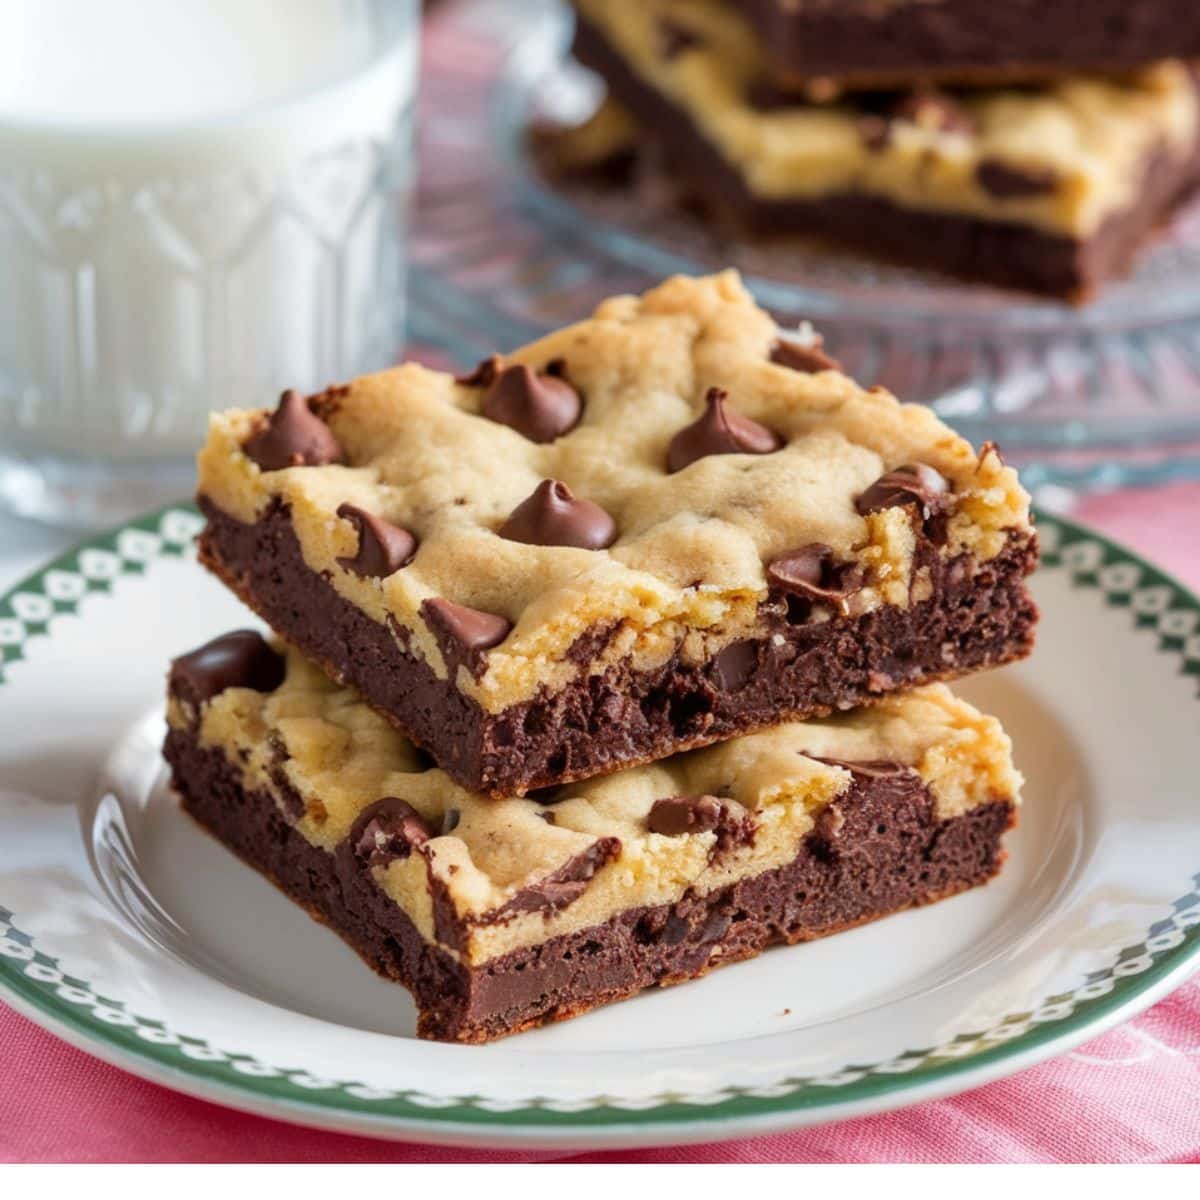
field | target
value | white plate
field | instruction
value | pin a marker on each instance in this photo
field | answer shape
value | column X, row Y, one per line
column 128, row 932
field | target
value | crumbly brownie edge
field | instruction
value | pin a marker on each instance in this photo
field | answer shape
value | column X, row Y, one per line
column 966, row 41
column 623, row 717
column 1005, row 253
column 885, row 852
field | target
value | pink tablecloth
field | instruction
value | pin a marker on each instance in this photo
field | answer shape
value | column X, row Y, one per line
column 1132, row 1095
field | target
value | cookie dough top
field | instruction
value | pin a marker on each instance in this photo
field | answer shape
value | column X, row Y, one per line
column 1061, row 157
column 309, row 739
column 661, row 535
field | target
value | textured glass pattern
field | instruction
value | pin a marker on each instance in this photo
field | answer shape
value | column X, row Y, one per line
column 260, row 282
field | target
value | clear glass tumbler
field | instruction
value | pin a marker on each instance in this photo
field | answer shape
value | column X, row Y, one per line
column 158, row 265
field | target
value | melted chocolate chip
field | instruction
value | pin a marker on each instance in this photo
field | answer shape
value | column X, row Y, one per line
column 293, row 436
column 240, row 659
column 934, row 110
column 875, row 131
column 464, row 635
column 482, row 375
column 450, row 820
column 539, row 407
column 812, row 573
column 1007, row 182
column 799, row 356
column 912, row 483
column 388, row 829
column 553, row 516
column 383, row 548
column 674, row 39
column 720, row 430
column 826, row 833
column 876, row 768
column 735, row 665
column 561, row 887
column 674, row 816
column 551, row 894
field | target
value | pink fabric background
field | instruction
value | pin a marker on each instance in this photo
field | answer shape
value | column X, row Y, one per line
column 1132, row 1095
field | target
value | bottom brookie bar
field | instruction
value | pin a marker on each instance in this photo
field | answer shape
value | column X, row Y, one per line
column 500, row 915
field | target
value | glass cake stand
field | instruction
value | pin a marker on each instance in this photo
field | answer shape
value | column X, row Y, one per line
column 1096, row 395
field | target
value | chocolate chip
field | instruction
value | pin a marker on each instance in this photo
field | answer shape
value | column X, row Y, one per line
column 875, row 131
column 674, row 930
column 826, row 834
column 716, row 924
column 464, row 635
column 278, row 754
column 482, row 375
column 450, row 820
column 934, row 110
column 293, row 436
column 720, row 430
column 1007, row 182
column 539, row 407
column 674, row 39
column 809, row 357
column 735, row 665
column 387, row 830
column 383, row 548
column 677, row 816
column 674, row 816
column 551, row 894
column 813, row 574
column 240, row 659
column 561, row 887
column 912, row 483
column 553, row 516
column 764, row 94
column 876, row 768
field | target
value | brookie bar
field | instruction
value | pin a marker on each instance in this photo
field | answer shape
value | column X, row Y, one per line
column 824, row 46
column 663, row 526
column 503, row 915
column 1049, row 189
column 658, row 528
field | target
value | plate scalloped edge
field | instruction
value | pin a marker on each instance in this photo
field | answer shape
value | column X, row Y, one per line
column 39, row 985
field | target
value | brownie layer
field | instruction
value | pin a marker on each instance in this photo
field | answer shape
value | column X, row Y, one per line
column 622, row 717
column 1000, row 252
column 880, row 849
column 866, row 45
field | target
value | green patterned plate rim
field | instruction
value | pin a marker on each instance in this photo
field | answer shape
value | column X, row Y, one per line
column 42, row 987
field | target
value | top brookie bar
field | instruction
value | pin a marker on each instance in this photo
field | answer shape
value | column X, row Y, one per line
column 824, row 46
column 660, row 527
column 1049, row 189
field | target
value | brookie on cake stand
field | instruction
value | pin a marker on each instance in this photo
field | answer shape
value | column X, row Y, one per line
column 1103, row 394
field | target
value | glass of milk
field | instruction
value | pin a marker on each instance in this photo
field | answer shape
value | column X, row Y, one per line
column 202, row 203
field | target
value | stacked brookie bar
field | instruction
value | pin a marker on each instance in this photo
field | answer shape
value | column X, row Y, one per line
column 643, row 623
column 1030, row 143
